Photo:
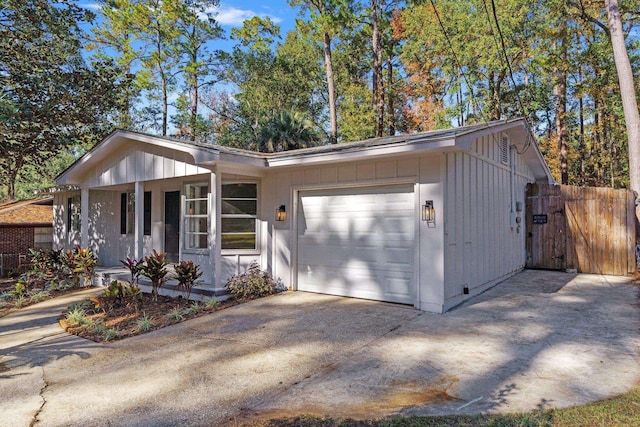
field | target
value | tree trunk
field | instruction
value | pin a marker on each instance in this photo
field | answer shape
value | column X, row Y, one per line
column 560, row 92
column 165, row 104
column 391, row 116
column 628, row 93
column 333, row 115
column 376, row 47
column 193, row 122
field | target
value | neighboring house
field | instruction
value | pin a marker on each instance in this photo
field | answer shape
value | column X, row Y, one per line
column 346, row 219
column 24, row 225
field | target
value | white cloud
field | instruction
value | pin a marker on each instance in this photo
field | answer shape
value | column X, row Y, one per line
column 231, row 16
column 92, row 6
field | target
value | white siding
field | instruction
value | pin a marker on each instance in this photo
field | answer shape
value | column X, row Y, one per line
column 280, row 187
column 142, row 162
column 483, row 244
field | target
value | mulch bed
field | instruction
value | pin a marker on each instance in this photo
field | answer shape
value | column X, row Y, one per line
column 125, row 319
column 8, row 284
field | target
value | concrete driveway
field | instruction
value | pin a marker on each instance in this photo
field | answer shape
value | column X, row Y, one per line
column 538, row 340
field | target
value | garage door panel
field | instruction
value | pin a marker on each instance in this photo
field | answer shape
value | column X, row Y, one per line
column 357, row 242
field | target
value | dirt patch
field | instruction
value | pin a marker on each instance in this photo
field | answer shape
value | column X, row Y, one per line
column 125, row 321
column 392, row 397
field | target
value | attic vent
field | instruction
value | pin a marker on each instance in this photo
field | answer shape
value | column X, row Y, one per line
column 504, row 149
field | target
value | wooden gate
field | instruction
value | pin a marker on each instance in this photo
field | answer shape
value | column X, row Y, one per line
column 591, row 230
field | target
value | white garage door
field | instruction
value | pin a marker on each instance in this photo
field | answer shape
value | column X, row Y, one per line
column 358, row 243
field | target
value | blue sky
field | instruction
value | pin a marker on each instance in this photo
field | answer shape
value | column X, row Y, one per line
column 233, row 13
column 230, row 14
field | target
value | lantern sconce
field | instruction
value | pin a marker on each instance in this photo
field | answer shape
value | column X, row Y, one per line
column 428, row 212
column 281, row 213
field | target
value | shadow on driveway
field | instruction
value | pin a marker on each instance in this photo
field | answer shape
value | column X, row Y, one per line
column 540, row 339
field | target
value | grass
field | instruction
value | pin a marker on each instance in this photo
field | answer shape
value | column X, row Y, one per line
column 623, row 410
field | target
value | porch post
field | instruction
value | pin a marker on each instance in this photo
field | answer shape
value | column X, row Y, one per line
column 214, row 235
column 139, row 220
column 84, row 217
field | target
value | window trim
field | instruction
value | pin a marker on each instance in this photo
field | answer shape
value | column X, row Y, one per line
column 256, row 249
column 74, row 216
column 186, row 216
column 127, row 228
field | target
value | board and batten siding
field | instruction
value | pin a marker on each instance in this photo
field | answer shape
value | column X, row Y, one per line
column 140, row 162
column 483, row 242
column 425, row 171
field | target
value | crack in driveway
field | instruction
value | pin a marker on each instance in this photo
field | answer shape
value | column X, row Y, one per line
column 35, row 420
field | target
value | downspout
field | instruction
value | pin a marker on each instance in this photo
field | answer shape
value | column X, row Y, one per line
column 512, row 185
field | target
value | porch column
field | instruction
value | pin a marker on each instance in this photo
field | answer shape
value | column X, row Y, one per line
column 214, row 235
column 138, row 233
column 84, row 217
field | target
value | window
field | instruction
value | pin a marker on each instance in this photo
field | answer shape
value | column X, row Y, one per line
column 196, row 216
column 239, row 215
column 128, row 213
column 73, row 214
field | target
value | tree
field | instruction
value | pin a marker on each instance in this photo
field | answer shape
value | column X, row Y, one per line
column 287, row 131
column 270, row 77
column 50, row 99
column 327, row 17
column 628, row 92
column 157, row 26
column 197, row 27
column 117, row 33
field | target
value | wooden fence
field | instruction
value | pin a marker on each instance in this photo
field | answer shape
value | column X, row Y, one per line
column 591, row 230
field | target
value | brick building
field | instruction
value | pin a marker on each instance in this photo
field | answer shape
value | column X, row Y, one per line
column 24, row 224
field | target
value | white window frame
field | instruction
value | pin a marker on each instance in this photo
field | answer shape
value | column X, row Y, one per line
column 131, row 212
column 74, row 221
column 256, row 248
column 188, row 217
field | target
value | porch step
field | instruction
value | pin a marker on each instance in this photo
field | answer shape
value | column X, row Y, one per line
column 198, row 293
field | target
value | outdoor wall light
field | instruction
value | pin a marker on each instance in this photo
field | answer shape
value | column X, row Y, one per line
column 428, row 212
column 281, row 213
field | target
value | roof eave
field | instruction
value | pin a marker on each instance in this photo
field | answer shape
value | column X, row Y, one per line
column 362, row 152
column 71, row 175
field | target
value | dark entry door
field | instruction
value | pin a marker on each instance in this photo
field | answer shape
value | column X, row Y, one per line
column 172, row 225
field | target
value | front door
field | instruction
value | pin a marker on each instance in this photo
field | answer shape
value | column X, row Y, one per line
column 172, row 225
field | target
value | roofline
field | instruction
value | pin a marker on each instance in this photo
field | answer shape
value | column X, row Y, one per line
column 26, row 224
column 209, row 154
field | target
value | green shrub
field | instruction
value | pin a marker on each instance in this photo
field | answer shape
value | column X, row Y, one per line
column 176, row 314
column 119, row 294
column 212, row 302
column 144, row 324
column 155, row 269
column 194, row 308
column 40, row 296
column 97, row 328
column 254, row 283
column 111, row 334
column 76, row 315
column 20, row 288
column 46, row 260
column 80, row 262
column 19, row 302
column 135, row 269
column 187, row 273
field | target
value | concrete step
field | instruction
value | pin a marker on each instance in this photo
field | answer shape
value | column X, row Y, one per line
column 201, row 292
